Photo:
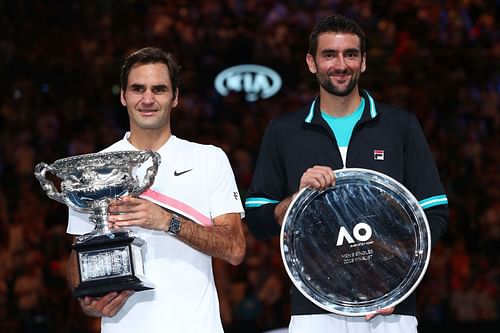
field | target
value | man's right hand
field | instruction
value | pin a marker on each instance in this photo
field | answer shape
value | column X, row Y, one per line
column 105, row 306
column 318, row 177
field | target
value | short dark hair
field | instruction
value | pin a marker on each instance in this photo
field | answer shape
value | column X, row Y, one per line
column 335, row 23
column 150, row 55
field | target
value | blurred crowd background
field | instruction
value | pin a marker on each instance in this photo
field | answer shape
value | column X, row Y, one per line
column 59, row 96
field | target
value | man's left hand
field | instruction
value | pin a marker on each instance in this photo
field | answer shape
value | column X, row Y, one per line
column 383, row 312
column 129, row 211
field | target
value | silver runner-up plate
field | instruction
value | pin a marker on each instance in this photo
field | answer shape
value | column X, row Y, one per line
column 357, row 247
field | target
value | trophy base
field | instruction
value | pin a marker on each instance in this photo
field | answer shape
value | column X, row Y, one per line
column 110, row 262
column 101, row 288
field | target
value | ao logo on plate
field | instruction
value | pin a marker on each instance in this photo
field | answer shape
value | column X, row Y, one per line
column 255, row 81
column 360, row 236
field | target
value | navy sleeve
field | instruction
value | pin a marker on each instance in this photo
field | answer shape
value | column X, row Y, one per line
column 437, row 217
column 266, row 189
column 422, row 179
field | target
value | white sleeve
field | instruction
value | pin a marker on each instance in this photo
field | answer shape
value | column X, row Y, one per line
column 79, row 223
column 224, row 194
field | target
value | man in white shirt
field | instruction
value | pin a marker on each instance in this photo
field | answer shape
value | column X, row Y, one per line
column 191, row 213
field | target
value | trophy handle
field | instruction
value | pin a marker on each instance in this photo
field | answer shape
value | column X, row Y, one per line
column 47, row 185
column 150, row 172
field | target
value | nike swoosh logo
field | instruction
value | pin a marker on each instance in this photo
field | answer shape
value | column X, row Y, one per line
column 176, row 173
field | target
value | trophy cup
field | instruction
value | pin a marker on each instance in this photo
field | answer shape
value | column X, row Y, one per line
column 107, row 260
column 357, row 247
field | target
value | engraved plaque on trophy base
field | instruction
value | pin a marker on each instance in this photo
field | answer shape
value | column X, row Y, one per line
column 111, row 262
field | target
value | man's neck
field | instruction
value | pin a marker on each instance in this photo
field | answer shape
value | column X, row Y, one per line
column 339, row 106
column 148, row 139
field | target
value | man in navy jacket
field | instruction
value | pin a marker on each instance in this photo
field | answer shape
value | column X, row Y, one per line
column 342, row 128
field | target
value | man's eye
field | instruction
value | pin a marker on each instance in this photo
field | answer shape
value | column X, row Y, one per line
column 159, row 90
column 138, row 89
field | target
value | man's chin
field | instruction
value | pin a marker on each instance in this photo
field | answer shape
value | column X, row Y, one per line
column 339, row 92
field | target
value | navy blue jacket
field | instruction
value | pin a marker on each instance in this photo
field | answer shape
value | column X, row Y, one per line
column 297, row 141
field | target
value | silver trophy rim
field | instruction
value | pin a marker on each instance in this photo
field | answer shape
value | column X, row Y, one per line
column 57, row 164
column 339, row 309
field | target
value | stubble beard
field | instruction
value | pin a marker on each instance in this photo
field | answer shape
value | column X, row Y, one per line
column 326, row 84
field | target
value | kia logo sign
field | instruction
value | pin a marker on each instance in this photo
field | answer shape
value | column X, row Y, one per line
column 257, row 82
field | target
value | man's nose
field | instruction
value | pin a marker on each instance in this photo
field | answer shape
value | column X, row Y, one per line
column 340, row 62
column 148, row 97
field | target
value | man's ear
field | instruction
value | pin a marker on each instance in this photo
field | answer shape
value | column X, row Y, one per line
column 175, row 101
column 122, row 98
column 311, row 63
column 363, row 63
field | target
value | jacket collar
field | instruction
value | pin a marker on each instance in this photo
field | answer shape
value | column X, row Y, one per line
column 314, row 114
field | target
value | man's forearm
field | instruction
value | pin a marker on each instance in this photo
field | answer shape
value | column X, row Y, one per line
column 225, row 239
column 281, row 208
